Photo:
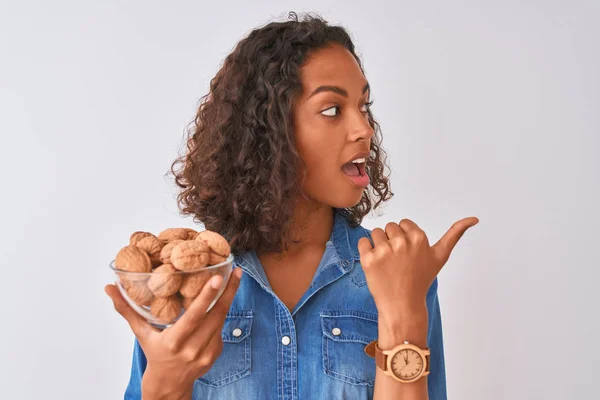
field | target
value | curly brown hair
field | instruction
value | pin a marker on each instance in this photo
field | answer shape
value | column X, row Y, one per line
column 239, row 176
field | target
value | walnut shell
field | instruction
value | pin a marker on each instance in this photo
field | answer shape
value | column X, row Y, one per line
column 153, row 246
column 133, row 259
column 165, row 253
column 215, row 259
column 166, row 309
column 123, row 279
column 191, row 233
column 193, row 283
column 170, row 234
column 130, row 279
column 137, row 236
column 163, row 282
column 190, row 254
column 140, row 294
column 217, row 243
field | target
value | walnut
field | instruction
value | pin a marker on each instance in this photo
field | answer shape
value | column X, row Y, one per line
column 215, row 259
column 191, row 233
column 137, row 236
column 164, row 282
column 133, row 259
column 123, row 279
column 153, row 246
column 165, row 253
column 193, row 283
column 189, row 255
column 138, row 292
column 166, row 309
column 170, row 234
column 129, row 279
column 217, row 243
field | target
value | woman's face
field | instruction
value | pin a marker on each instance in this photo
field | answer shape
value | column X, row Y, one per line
column 331, row 126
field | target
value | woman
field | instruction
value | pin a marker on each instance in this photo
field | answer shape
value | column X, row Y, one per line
column 280, row 161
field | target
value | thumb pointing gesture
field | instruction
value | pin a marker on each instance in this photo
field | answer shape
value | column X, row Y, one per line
column 443, row 248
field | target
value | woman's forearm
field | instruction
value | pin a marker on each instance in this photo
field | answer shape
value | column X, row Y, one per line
column 153, row 388
column 412, row 326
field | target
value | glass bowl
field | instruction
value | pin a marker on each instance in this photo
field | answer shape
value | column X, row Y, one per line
column 161, row 298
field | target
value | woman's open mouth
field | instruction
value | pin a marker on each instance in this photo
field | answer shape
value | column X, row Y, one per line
column 355, row 171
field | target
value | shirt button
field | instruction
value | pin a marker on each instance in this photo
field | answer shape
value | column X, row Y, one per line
column 336, row 331
column 285, row 340
column 237, row 332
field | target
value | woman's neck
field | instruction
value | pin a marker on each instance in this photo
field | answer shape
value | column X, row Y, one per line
column 311, row 227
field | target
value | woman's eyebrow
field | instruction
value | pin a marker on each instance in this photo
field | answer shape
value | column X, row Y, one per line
column 335, row 89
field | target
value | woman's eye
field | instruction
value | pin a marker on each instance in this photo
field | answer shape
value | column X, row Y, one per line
column 328, row 111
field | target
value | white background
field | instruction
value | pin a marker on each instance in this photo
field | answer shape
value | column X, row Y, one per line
column 489, row 110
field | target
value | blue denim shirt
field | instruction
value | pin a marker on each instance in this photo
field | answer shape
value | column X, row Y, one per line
column 288, row 356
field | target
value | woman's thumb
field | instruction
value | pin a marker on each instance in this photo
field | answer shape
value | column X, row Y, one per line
column 118, row 301
column 136, row 322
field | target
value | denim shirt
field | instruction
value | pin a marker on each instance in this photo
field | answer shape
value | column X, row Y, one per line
column 299, row 355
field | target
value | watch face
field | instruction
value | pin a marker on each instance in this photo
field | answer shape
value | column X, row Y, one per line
column 407, row 364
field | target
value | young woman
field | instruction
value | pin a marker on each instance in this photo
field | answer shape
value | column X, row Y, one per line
column 284, row 161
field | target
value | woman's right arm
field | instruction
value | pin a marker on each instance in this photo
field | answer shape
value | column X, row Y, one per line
column 185, row 351
column 154, row 389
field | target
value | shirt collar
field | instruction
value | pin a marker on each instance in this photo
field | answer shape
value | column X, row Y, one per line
column 344, row 243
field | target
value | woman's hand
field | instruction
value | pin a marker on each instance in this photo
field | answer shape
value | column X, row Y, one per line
column 401, row 266
column 186, row 350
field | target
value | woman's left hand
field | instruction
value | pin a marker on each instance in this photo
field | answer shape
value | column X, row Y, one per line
column 401, row 265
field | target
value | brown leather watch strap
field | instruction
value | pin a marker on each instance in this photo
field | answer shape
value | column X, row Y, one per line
column 380, row 358
column 375, row 352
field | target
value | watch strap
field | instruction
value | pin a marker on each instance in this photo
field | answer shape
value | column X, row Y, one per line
column 380, row 358
column 375, row 352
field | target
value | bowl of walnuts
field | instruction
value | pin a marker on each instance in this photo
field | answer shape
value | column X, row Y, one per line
column 159, row 276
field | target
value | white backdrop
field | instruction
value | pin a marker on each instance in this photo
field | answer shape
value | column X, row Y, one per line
column 489, row 110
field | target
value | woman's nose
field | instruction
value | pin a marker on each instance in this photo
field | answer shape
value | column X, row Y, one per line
column 360, row 128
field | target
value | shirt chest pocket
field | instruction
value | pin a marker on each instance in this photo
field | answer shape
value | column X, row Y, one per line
column 235, row 360
column 345, row 335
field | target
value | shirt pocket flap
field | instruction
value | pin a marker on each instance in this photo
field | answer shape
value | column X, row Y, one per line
column 237, row 327
column 235, row 360
column 354, row 326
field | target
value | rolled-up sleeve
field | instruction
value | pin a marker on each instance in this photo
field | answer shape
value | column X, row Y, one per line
column 436, row 380
column 138, row 366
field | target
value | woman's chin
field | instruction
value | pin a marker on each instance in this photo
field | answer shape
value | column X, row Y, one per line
column 338, row 194
column 348, row 201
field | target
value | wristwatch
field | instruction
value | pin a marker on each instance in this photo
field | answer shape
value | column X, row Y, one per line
column 405, row 363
